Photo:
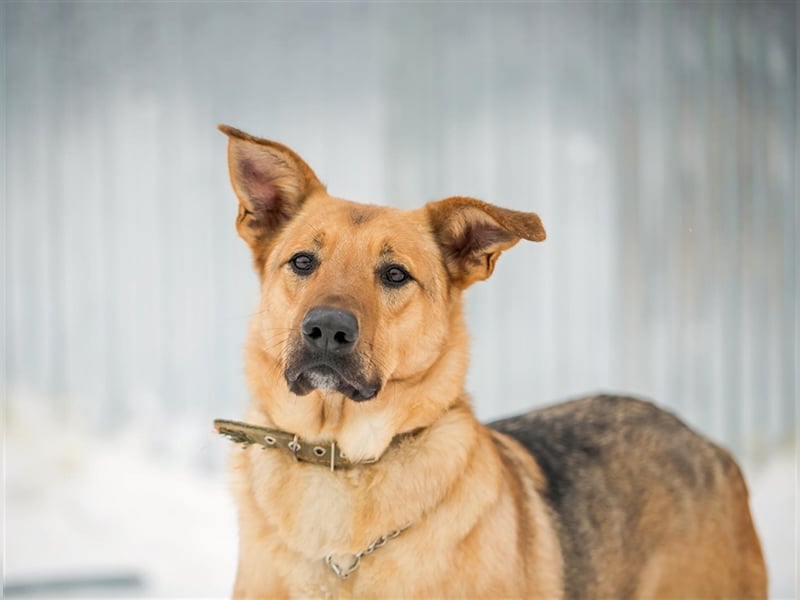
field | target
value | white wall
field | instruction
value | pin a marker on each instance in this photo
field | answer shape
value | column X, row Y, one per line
column 656, row 141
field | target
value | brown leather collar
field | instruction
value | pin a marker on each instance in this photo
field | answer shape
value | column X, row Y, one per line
column 327, row 455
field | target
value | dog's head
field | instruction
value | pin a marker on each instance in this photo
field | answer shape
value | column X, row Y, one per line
column 359, row 303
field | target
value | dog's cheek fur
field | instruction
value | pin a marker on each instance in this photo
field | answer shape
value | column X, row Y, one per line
column 416, row 321
column 269, row 335
column 276, row 312
column 407, row 340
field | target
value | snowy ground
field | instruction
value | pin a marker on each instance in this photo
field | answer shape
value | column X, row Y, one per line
column 94, row 509
column 85, row 509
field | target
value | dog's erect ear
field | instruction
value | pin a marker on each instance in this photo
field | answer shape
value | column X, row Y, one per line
column 472, row 234
column 271, row 182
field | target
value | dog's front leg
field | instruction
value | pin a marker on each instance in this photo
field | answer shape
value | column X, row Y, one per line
column 248, row 588
column 256, row 578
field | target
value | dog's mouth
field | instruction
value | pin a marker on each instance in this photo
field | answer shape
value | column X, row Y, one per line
column 306, row 378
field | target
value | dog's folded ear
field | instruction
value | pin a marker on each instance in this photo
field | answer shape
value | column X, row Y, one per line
column 472, row 234
column 271, row 182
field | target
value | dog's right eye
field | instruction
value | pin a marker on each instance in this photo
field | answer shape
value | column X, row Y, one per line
column 302, row 263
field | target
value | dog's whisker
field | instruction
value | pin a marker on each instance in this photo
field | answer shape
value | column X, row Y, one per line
column 272, row 346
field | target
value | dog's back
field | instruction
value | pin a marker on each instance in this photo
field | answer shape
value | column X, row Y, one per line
column 630, row 485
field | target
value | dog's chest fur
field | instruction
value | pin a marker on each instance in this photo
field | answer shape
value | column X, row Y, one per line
column 297, row 514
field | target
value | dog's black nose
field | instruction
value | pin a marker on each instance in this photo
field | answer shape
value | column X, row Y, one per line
column 328, row 328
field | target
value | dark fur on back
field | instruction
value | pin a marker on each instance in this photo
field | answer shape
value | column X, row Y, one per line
column 598, row 495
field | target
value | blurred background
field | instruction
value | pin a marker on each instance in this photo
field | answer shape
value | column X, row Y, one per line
column 657, row 141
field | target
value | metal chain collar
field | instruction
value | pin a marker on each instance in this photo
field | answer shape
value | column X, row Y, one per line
column 354, row 560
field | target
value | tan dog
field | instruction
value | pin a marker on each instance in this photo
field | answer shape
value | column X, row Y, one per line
column 364, row 472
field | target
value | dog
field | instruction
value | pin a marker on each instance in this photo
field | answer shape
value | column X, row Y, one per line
column 361, row 470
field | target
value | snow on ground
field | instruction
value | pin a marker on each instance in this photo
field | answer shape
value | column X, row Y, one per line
column 80, row 508
column 94, row 509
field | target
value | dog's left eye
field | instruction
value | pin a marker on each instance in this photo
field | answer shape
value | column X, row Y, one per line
column 395, row 275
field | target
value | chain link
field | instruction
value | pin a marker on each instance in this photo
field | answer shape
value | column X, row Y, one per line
column 380, row 542
column 345, row 572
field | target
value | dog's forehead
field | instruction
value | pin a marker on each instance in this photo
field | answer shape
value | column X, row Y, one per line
column 373, row 229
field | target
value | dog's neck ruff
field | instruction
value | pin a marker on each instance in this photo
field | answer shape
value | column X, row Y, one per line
column 326, row 455
column 329, row 455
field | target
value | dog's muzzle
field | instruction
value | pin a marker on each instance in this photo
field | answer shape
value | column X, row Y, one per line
column 325, row 358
